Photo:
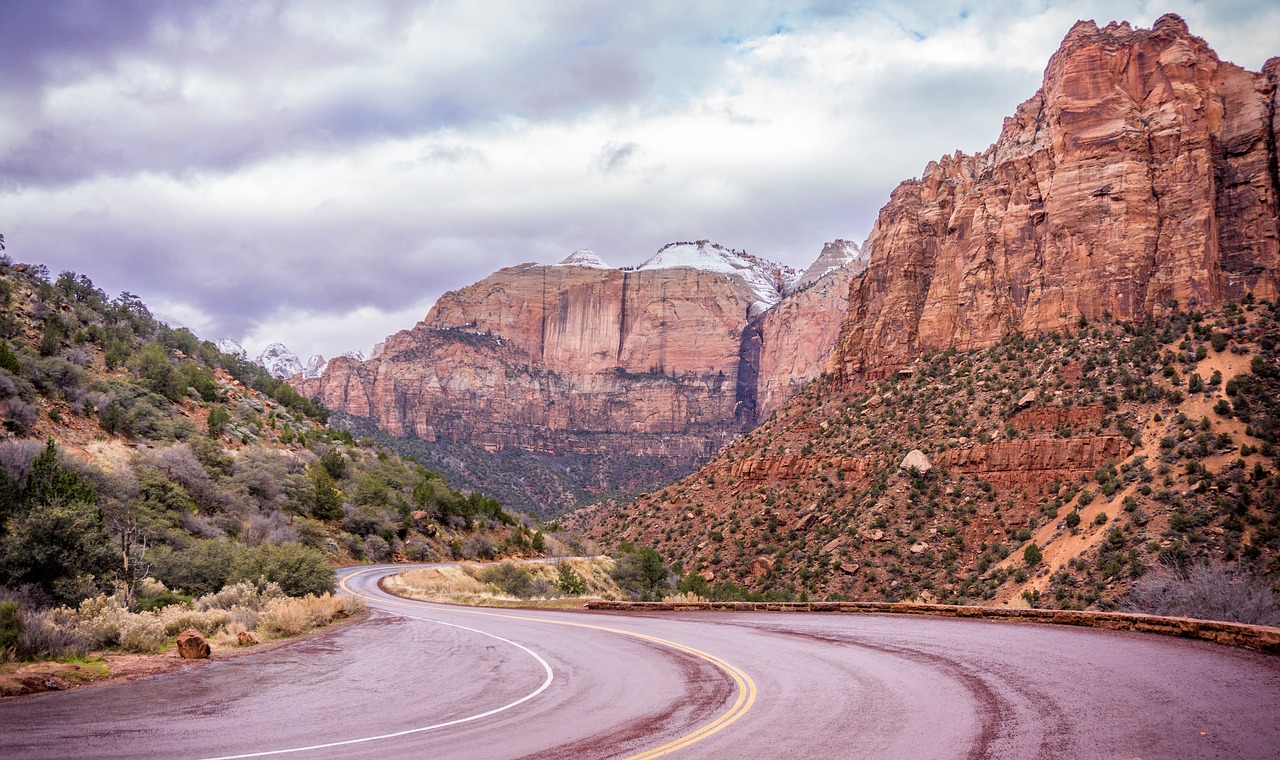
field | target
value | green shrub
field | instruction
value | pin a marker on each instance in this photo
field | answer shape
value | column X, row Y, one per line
column 510, row 579
column 1032, row 555
column 202, row 568
column 164, row 599
column 8, row 361
column 1072, row 519
column 298, row 570
column 569, row 581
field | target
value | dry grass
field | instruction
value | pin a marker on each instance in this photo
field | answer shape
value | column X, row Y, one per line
column 461, row 584
column 104, row 623
column 290, row 616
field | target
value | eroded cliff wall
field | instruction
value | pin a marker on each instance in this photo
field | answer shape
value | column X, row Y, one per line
column 1142, row 175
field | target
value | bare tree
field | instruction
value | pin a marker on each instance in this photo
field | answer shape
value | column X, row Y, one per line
column 132, row 544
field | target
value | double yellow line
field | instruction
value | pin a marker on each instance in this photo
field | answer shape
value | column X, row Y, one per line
column 746, row 688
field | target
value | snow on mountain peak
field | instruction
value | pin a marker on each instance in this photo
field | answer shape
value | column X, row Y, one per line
column 232, row 348
column 765, row 278
column 279, row 361
column 314, row 366
column 583, row 257
column 838, row 254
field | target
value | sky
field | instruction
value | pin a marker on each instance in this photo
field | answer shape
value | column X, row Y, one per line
column 318, row 172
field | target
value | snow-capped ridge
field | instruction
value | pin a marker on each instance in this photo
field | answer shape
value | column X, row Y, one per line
column 314, row 366
column 279, row 361
column 232, row 348
column 765, row 278
column 583, row 257
column 838, row 254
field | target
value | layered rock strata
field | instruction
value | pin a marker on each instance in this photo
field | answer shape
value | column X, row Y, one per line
column 667, row 359
column 1140, row 178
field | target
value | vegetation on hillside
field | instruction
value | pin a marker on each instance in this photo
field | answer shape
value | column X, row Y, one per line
column 142, row 468
column 814, row 501
column 540, row 484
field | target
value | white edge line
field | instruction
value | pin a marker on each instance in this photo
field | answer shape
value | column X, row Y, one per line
column 546, row 683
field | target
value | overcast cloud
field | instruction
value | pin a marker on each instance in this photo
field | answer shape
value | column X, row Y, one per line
column 319, row 172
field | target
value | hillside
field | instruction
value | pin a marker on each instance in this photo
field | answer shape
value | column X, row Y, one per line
column 1114, row 448
column 139, row 462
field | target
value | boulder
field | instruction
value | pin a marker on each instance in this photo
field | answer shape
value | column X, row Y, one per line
column 248, row 638
column 760, row 567
column 192, row 646
column 916, row 460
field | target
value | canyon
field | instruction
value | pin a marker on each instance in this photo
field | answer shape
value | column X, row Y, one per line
column 1034, row 321
column 588, row 366
column 1122, row 209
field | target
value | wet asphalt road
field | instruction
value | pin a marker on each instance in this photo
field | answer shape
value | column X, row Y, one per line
column 420, row 680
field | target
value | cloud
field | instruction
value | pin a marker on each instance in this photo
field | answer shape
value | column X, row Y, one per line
column 313, row 170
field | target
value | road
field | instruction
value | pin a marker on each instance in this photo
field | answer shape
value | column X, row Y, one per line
column 422, row 680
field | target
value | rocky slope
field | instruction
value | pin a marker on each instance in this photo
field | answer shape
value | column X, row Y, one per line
column 1141, row 175
column 1137, row 190
column 1112, row 449
column 663, row 362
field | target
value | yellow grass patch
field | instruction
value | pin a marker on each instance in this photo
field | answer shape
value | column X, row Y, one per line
column 463, row 584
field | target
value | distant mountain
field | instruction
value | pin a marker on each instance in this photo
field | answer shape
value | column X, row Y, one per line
column 232, row 348
column 281, row 363
column 637, row 373
column 765, row 279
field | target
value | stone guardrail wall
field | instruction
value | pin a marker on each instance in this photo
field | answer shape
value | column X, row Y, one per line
column 1260, row 637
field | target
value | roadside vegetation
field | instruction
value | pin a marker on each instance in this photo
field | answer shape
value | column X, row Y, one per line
column 555, row 583
column 240, row 614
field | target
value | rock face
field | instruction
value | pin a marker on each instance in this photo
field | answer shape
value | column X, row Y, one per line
column 1141, row 175
column 192, row 646
column 798, row 335
column 665, row 360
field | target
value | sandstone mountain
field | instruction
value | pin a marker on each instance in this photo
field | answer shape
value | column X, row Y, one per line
column 1036, row 320
column 1141, row 175
column 616, row 378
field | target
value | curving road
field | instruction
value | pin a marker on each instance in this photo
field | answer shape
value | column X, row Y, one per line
column 423, row 680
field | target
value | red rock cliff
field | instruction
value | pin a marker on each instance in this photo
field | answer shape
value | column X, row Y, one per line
column 557, row 358
column 1143, row 173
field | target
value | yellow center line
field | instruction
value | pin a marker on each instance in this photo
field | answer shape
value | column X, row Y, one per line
column 745, row 687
